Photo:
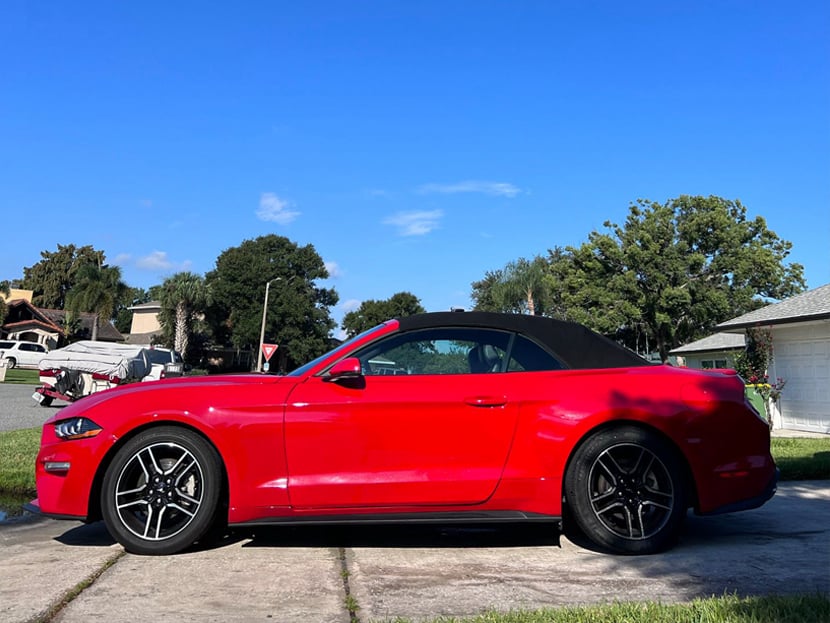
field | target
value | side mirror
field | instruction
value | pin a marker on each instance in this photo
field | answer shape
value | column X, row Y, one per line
column 348, row 368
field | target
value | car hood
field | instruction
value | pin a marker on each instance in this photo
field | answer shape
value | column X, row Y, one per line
column 198, row 387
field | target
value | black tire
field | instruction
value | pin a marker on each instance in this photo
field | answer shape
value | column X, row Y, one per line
column 161, row 491
column 11, row 363
column 626, row 492
column 46, row 401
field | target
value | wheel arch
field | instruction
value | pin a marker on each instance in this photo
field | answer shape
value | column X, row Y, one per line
column 688, row 476
column 94, row 502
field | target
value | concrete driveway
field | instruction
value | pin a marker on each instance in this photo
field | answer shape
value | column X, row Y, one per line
column 306, row 574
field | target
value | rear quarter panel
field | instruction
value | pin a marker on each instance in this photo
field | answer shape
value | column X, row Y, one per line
column 704, row 416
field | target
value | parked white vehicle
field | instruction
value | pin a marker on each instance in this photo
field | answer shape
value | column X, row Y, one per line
column 87, row 367
column 14, row 354
column 165, row 363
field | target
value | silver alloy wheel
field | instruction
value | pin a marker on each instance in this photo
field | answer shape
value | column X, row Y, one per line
column 159, row 491
column 630, row 491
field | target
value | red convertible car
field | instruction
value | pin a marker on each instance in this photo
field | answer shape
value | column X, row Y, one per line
column 442, row 417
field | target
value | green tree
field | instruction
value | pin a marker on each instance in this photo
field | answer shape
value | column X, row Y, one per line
column 372, row 312
column 298, row 318
column 522, row 286
column 53, row 276
column 4, row 291
column 96, row 289
column 184, row 297
column 123, row 313
column 672, row 271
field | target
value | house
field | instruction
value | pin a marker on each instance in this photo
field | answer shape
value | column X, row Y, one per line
column 800, row 329
column 26, row 322
column 145, row 325
column 715, row 351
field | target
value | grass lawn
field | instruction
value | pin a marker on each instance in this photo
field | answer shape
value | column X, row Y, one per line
column 22, row 377
column 18, row 449
column 802, row 459
column 726, row 609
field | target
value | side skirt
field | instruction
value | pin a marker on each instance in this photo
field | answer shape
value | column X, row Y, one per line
column 404, row 518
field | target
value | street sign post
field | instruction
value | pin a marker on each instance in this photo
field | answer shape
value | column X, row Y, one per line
column 268, row 350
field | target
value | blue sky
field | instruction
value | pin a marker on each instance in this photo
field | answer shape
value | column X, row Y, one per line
column 416, row 145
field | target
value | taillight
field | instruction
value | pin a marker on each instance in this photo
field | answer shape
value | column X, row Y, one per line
column 50, row 372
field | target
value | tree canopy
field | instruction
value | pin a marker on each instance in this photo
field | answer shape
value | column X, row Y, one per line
column 373, row 312
column 53, row 276
column 667, row 275
column 523, row 286
column 96, row 289
column 4, row 291
column 298, row 311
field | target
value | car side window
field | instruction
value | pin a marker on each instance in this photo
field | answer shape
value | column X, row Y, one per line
column 459, row 350
column 527, row 356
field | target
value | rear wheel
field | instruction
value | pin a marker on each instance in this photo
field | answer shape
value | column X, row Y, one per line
column 626, row 492
column 161, row 492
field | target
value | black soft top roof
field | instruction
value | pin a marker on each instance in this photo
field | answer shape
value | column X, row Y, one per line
column 573, row 344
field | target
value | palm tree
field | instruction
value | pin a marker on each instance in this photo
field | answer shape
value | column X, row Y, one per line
column 184, row 296
column 96, row 290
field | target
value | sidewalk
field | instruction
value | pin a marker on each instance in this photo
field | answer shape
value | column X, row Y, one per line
column 787, row 432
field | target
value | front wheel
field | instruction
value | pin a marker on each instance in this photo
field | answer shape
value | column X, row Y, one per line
column 161, row 492
column 625, row 490
column 11, row 363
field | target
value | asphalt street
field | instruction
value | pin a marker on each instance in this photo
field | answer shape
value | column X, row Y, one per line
column 18, row 410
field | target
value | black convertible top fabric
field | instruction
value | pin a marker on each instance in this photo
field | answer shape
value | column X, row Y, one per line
column 573, row 344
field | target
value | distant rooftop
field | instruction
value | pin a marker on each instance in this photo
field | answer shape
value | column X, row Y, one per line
column 712, row 343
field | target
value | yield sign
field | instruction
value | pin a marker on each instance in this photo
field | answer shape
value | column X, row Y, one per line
column 268, row 350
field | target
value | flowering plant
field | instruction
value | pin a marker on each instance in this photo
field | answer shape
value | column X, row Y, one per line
column 752, row 365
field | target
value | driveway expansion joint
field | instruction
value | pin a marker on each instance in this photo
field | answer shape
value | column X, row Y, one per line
column 69, row 596
column 351, row 604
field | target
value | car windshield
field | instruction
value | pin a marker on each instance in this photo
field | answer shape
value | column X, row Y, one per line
column 342, row 348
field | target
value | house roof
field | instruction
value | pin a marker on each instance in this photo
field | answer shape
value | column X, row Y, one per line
column 22, row 314
column 810, row 305
column 106, row 332
column 714, row 343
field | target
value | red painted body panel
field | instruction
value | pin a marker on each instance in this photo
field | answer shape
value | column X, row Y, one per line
column 392, row 442
column 303, row 445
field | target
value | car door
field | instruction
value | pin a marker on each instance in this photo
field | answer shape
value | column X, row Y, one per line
column 30, row 354
column 418, row 428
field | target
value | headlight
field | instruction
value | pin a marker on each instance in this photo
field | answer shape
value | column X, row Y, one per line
column 76, row 428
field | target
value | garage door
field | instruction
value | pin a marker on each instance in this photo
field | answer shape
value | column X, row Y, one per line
column 805, row 365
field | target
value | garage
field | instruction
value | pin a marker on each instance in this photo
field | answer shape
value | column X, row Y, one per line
column 800, row 328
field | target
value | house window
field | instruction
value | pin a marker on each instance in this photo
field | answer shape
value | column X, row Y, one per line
column 713, row 364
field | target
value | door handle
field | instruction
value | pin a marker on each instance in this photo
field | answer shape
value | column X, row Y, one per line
column 486, row 401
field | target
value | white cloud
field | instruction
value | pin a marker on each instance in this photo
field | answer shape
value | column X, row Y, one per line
column 415, row 223
column 498, row 189
column 350, row 305
column 121, row 259
column 334, row 270
column 158, row 260
column 272, row 208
